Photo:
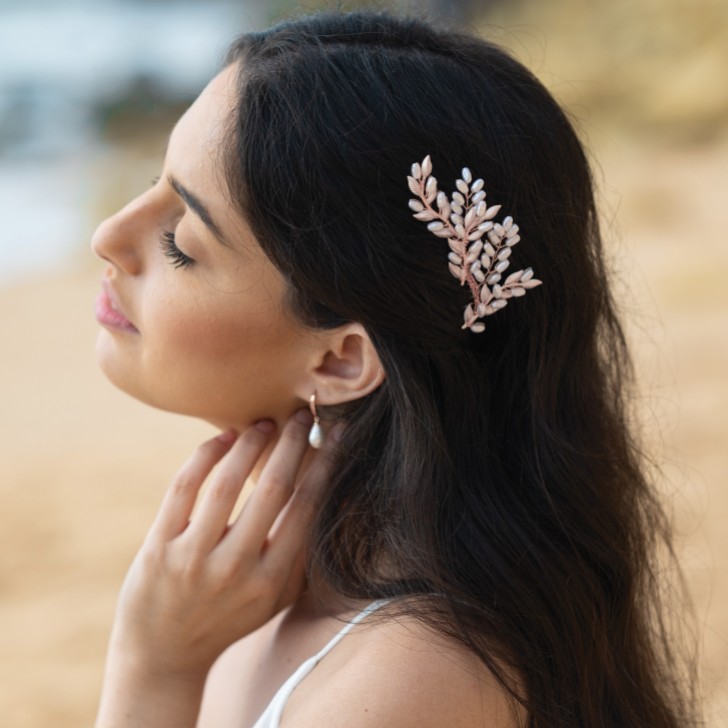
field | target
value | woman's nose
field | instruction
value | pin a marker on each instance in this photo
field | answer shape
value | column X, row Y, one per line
column 118, row 240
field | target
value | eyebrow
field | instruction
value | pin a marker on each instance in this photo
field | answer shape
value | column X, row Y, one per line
column 198, row 208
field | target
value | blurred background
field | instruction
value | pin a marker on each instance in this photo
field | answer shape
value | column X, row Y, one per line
column 89, row 91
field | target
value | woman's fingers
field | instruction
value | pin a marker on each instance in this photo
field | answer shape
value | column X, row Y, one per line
column 179, row 500
column 210, row 522
column 270, row 533
column 274, row 486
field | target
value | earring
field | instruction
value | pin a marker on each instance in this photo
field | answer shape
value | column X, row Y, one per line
column 316, row 436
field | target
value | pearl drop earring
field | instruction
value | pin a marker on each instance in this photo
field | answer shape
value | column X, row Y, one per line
column 316, row 436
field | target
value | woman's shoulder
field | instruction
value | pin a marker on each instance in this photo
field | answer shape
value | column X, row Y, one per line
column 399, row 672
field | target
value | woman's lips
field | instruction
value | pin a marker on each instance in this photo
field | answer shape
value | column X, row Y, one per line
column 108, row 314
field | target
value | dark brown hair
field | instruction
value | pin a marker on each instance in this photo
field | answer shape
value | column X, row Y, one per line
column 495, row 472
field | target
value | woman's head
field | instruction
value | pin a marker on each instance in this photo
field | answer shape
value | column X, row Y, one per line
column 299, row 151
column 205, row 330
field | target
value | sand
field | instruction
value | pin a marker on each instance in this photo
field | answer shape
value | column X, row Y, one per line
column 83, row 467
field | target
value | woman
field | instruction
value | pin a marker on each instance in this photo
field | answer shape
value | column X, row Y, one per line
column 477, row 517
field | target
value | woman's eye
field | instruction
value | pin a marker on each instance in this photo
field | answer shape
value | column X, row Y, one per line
column 170, row 249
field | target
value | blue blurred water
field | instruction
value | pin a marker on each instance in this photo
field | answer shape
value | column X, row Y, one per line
column 59, row 63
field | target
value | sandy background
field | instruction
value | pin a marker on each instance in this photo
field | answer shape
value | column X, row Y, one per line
column 82, row 467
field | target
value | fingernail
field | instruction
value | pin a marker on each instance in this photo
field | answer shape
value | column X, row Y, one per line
column 227, row 437
column 266, row 426
column 303, row 416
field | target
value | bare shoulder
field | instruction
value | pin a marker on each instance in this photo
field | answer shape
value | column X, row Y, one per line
column 399, row 673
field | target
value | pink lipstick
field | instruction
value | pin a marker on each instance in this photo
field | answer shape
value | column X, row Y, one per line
column 108, row 314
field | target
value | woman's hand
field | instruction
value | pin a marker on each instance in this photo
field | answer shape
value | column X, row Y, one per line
column 200, row 583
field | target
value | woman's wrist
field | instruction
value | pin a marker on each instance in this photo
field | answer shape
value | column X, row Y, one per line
column 138, row 695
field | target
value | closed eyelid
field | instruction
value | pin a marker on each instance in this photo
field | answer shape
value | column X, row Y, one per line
column 196, row 205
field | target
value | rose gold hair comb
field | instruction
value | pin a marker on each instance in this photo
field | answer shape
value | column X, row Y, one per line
column 464, row 219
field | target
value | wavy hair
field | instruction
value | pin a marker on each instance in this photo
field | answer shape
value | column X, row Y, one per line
column 493, row 481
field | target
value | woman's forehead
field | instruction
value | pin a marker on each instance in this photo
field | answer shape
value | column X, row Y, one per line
column 204, row 123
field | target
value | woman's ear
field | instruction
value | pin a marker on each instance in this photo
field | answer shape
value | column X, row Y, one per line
column 346, row 366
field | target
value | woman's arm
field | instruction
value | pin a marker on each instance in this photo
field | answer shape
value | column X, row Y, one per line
column 200, row 583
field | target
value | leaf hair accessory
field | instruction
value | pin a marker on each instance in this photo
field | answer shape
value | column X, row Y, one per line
column 464, row 219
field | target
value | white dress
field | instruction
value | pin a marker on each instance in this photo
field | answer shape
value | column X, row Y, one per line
column 271, row 716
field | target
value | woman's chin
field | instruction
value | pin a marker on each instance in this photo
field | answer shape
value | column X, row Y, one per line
column 113, row 363
column 120, row 368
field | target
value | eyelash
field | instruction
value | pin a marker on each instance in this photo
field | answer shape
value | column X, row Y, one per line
column 170, row 249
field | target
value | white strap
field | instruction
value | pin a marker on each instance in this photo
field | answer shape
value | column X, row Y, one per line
column 348, row 627
column 271, row 716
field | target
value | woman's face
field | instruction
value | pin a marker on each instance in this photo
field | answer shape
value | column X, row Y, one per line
column 195, row 323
